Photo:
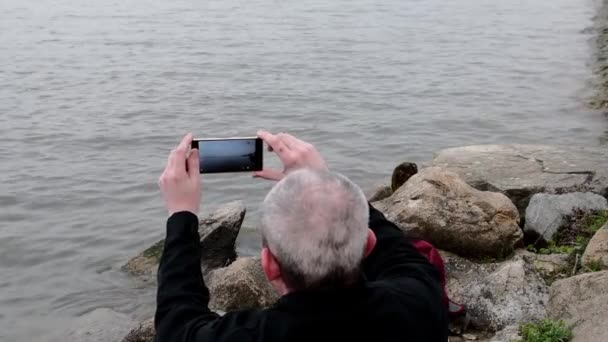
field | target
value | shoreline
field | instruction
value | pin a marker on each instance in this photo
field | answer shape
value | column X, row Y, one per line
column 508, row 189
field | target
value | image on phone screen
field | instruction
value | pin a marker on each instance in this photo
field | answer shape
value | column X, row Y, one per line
column 229, row 155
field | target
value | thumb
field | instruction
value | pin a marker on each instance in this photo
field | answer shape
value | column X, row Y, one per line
column 193, row 163
column 269, row 174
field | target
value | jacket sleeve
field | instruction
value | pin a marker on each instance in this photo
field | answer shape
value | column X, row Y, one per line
column 182, row 300
column 394, row 256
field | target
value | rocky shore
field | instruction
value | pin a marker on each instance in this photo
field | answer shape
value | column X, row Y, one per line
column 522, row 230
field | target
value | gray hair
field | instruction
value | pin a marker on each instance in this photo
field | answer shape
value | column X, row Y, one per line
column 315, row 224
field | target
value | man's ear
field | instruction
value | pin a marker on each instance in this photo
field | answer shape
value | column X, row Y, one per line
column 270, row 265
column 371, row 243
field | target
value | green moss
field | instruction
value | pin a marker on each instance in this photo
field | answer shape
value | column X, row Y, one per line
column 545, row 331
column 593, row 266
column 552, row 248
column 572, row 239
column 593, row 222
column 155, row 251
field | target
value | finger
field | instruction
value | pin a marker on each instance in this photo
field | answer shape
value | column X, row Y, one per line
column 184, row 145
column 179, row 156
column 278, row 146
column 170, row 160
column 269, row 174
column 273, row 141
column 291, row 141
column 193, row 164
column 285, row 140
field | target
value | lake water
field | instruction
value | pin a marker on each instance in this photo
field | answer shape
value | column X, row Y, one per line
column 94, row 94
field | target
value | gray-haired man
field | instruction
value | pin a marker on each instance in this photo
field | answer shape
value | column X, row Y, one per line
column 343, row 271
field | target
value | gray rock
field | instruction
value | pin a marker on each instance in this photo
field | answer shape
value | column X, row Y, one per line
column 381, row 192
column 461, row 273
column 597, row 250
column 497, row 295
column 402, row 173
column 520, row 171
column 470, row 337
column 143, row 332
column 440, row 207
column 508, row 334
column 242, row 285
column 547, row 213
column 99, row 325
column 218, row 232
column 582, row 302
column 549, row 266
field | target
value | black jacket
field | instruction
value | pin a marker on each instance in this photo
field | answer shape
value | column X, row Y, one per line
column 400, row 299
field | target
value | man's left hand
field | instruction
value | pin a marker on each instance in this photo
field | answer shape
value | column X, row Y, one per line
column 180, row 183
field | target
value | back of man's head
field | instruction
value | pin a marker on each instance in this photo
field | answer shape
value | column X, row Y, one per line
column 315, row 224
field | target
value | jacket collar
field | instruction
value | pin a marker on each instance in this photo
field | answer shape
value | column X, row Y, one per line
column 313, row 299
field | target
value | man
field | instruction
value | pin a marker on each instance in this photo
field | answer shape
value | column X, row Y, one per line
column 338, row 279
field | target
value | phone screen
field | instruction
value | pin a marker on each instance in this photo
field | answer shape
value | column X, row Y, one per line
column 229, row 155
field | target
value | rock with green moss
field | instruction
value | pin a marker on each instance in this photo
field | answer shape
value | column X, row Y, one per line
column 143, row 332
column 582, row 302
column 218, row 232
column 547, row 214
column 596, row 254
column 496, row 295
column 544, row 331
column 145, row 264
column 550, row 267
column 512, row 294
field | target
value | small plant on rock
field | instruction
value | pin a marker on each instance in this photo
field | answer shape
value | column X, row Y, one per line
column 595, row 221
column 545, row 331
column 552, row 248
column 593, row 266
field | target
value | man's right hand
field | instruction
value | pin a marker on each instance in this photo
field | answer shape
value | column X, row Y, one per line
column 294, row 153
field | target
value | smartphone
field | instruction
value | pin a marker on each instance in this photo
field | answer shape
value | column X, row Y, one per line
column 229, row 154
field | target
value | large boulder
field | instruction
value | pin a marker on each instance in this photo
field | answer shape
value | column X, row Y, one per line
column 596, row 253
column 496, row 295
column 143, row 332
column 546, row 213
column 99, row 325
column 440, row 207
column 218, row 232
column 520, row 171
column 242, row 285
column 582, row 302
